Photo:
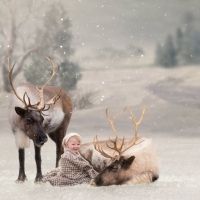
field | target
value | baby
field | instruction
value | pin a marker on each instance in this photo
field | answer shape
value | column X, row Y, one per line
column 74, row 169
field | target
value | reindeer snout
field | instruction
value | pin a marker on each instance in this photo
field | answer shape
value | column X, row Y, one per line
column 41, row 139
column 96, row 182
column 92, row 183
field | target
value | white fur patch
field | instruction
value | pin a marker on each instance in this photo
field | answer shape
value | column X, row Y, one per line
column 56, row 115
column 97, row 159
column 21, row 140
column 141, row 144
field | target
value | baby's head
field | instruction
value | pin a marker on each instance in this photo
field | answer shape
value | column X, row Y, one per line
column 72, row 141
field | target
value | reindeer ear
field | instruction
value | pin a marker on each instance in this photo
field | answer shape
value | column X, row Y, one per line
column 20, row 111
column 125, row 163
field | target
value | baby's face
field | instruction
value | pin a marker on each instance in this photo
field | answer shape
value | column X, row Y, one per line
column 73, row 144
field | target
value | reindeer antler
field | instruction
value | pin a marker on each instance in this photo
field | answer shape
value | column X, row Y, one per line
column 10, row 70
column 98, row 147
column 118, row 144
column 40, row 106
column 136, row 124
column 112, row 121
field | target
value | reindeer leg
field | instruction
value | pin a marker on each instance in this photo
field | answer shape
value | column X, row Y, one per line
column 22, row 176
column 55, row 136
column 59, row 151
column 38, row 161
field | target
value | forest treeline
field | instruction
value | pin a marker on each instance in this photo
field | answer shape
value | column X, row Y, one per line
column 182, row 47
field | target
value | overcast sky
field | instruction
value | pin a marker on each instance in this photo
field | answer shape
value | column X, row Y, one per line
column 116, row 22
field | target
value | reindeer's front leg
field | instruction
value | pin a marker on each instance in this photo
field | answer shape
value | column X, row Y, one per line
column 38, row 161
column 22, row 176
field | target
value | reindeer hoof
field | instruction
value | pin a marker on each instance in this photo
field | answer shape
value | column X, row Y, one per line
column 38, row 180
column 21, row 180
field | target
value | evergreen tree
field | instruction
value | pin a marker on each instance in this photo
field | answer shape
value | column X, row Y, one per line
column 169, row 53
column 179, row 39
column 159, row 55
column 196, row 49
column 188, row 42
column 186, row 50
column 69, row 73
column 179, row 45
column 54, row 39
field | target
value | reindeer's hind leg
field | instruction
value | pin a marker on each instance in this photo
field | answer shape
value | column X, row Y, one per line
column 22, row 176
column 58, row 135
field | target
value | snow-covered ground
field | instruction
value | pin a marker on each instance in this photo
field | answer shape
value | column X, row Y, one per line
column 171, row 120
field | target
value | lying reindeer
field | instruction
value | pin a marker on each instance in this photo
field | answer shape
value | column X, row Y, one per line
column 122, row 161
column 35, row 112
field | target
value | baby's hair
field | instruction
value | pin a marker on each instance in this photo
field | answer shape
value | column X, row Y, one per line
column 72, row 135
column 76, row 137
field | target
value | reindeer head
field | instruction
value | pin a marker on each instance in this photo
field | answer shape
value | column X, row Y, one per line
column 118, row 171
column 114, row 174
column 31, row 115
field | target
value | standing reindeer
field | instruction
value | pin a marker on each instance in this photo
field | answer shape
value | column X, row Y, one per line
column 122, row 161
column 35, row 112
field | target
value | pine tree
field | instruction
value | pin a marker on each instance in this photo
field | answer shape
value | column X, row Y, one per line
column 159, row 55
column 169, row 53
column 69, row 74
column 179, row 45
column 54, row 39
column 179, row 40
column 188, row 42
column 186, row 50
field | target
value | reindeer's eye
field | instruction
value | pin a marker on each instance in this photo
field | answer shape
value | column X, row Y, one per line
column 113, row 168
column 29, row 121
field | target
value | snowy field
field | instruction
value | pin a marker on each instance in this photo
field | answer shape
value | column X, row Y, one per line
column 172, row 120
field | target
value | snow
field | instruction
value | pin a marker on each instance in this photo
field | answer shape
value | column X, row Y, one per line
column 171, row 120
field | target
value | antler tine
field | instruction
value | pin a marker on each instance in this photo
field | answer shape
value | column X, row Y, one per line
column 41, row 104
column 112, row 121
column 10, row 70
column 129, row 146
column 55, row 98
column 53, row 69
column 136, row 124
column 116, row 147
column 136, row 128
column 98, row 147
column 24, row 100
